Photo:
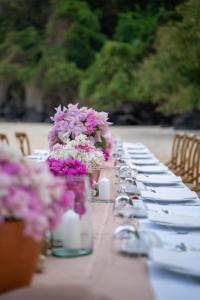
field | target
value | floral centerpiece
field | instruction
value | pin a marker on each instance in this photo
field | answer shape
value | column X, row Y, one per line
column 32, row 201
column 30, row 193
column 71, row 121
column 80, row 149
column 68, row 168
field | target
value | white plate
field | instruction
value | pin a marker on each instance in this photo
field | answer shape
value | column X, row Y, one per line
column 145, row 162
column 139, row 152
column 152, row 169
column 168, row 197
column 159, row 180
column 187, row 263
column 136, row 146
column 174, row 220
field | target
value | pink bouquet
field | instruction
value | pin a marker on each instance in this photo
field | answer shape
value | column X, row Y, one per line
column 66, row 167
column 31, row 194
column 74, row 173
column 71, row 121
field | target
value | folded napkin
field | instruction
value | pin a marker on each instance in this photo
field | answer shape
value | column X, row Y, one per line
column 183, row 262
column 159, row 179
column 152, row 169
column 174, row 219
column 168, row 196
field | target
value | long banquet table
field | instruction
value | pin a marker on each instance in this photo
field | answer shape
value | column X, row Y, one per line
column 109, row 275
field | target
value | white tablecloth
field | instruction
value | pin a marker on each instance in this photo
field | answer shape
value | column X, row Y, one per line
column 168, row 285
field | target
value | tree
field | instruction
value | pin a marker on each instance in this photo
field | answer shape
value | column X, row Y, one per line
column 171, row 77
column 108, row 81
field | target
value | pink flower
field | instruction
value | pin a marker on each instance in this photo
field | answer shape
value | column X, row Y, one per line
column 29, row 192
column 72, row 121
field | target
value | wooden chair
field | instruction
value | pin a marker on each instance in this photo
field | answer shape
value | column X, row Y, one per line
column 190, row 161
column 23, row 141
column 185, row 155
column 3, row 138
column 175, row 163
column 196, row 169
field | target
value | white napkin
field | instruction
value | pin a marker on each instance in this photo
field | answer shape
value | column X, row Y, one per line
column 187, row 262
column 174, row 219
column 168, row 196
column 159, row 179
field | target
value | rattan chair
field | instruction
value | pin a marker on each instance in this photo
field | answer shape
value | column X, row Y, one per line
column 23, row 141
column 3, row 138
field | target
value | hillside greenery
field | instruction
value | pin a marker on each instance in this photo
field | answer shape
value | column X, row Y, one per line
column 104, row 53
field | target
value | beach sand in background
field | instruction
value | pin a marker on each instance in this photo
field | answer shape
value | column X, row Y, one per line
column 157, row 139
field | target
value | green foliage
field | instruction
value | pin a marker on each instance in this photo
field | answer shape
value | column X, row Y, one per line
column 82, row 38
column 81, row 45
column 59, row 73
column 108, row 52
column 171, row 77
column 20, row 14
column 108, row 81
column 136, row 25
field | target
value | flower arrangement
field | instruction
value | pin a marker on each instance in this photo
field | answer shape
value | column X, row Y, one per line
column 71, row 121
column 74, row 172
column 66, row 167
column 80, row 149
column 30, row 193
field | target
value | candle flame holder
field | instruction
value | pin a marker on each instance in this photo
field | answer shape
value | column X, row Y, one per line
column 73, row 237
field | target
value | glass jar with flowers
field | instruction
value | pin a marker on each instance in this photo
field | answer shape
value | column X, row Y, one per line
column 32, row 202
column 73, row 236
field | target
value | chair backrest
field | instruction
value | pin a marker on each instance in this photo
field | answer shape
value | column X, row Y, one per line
column 3, row 138
column 23, row 141
column 196, row 167
column 186, row 156
column 177, row 150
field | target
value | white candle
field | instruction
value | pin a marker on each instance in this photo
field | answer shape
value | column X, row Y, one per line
column 71, row 230
column 104, row 189
column 58, row 232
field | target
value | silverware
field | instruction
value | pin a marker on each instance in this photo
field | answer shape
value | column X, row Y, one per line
column 184, row 247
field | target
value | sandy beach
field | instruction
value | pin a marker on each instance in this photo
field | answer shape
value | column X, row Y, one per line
column 157, row 139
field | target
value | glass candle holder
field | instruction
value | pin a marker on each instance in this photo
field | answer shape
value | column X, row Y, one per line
column 73, row 236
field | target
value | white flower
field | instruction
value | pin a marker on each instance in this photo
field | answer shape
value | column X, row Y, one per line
column 82, row 149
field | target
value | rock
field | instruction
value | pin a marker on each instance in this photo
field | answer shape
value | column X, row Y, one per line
column 189, row 120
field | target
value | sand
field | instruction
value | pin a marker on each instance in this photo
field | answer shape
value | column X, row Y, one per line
column 157, row 139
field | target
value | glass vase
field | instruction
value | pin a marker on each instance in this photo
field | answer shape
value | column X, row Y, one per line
column 73, row 236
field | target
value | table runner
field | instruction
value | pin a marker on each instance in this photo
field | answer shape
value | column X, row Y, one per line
column 114, row 276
